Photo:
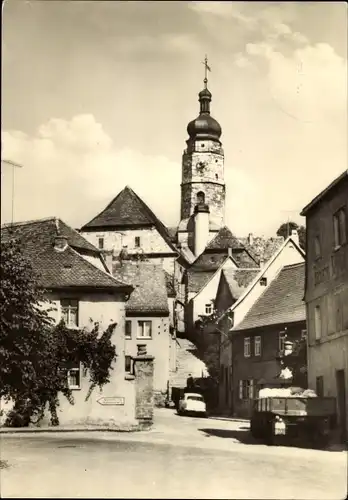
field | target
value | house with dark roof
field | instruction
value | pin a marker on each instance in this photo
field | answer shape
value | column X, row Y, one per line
column 327, row 294
column 201, row 279
column 259, row 338
column 128, row 223
column 148, row 318
column 236, row 294
column 81, row 291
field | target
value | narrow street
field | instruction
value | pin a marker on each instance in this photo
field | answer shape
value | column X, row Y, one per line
column 181, row 457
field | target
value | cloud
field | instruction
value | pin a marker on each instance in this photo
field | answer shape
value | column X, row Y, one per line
column 310, row 85
column 72, row 169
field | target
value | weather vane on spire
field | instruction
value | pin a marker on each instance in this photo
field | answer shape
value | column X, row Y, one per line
column 206, row 69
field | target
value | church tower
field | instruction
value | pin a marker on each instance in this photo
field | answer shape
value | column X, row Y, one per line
column 203, row 164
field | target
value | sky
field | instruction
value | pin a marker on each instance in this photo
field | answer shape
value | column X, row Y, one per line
column 97, row 95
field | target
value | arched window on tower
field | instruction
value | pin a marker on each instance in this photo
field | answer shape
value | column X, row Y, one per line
column 200, row 197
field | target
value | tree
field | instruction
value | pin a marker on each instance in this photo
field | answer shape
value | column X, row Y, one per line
column 34, row 352
column 286, row 228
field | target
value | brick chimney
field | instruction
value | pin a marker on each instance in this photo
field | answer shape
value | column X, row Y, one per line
column 250, row 239
column 60, row 243
column 201, row 228
column 229, row 251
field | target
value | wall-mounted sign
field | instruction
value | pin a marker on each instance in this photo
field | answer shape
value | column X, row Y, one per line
column 112, row 401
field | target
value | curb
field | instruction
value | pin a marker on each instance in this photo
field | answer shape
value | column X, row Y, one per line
column 57, row 429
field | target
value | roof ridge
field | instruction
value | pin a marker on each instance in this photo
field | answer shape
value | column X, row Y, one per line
column 32, row 221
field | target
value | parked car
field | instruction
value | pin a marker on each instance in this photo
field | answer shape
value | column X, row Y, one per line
column 192, row 403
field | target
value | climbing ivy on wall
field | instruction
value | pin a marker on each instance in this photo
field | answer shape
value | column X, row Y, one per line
column 34, row 352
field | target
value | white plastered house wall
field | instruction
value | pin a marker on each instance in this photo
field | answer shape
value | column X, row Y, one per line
column 207, row 293
column 289, row 253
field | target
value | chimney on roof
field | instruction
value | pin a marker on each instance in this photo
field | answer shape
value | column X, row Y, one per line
column 294, row 236
column 250, row 238
column 60, row 243
column 262, row 262
column 201, row 231
column 229, row 250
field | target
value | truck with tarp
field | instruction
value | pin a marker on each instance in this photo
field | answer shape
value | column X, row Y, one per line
column 292, row 414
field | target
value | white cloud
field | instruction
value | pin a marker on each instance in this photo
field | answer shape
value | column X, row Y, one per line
column 71, row 169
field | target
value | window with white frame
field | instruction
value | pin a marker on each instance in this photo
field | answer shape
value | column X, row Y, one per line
column 247, row 351
column 257, row 346
column 69, row 308
column 144, row 329
column 74, row 376
column 208, row 308
column 317, row 322
column 246, row 389
column 340, row 227
column 128, row 329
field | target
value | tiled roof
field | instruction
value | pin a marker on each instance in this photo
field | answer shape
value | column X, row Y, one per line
column 63, row 269
column 224, row 239
column 197, row 280
column 169, row 284
column 209, row 261
column 239, row 279
column 47, row 228
column 262, row 248
column 281, row 302
column 128, row 210
column 150, row 293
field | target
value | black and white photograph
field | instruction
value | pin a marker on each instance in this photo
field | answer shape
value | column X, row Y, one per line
column 174, row 250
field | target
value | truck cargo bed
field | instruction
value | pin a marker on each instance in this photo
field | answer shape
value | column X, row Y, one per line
column 296, row 406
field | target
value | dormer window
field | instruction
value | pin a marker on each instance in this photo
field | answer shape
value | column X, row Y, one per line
column 263, row 281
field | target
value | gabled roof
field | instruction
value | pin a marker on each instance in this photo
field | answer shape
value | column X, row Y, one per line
column 194, row 277
column 266, row 267
column 262, row 248
column 223, row 240
column 150, row 294
column 325, row 192
column 47, row 227
column 128, row 210
column 197, row 281
column 238, row 279
column 61, row 269
column 281, row 302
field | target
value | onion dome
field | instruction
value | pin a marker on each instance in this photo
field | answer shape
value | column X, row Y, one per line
column 204, row 126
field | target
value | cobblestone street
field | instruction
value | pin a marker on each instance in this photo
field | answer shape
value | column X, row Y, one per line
column 180, row 458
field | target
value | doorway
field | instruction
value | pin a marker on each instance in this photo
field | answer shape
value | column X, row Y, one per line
column 342, row 403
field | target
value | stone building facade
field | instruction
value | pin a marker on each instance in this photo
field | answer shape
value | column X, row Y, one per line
column 326, row 294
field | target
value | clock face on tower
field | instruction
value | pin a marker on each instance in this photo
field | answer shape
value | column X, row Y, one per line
column 201, row 166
